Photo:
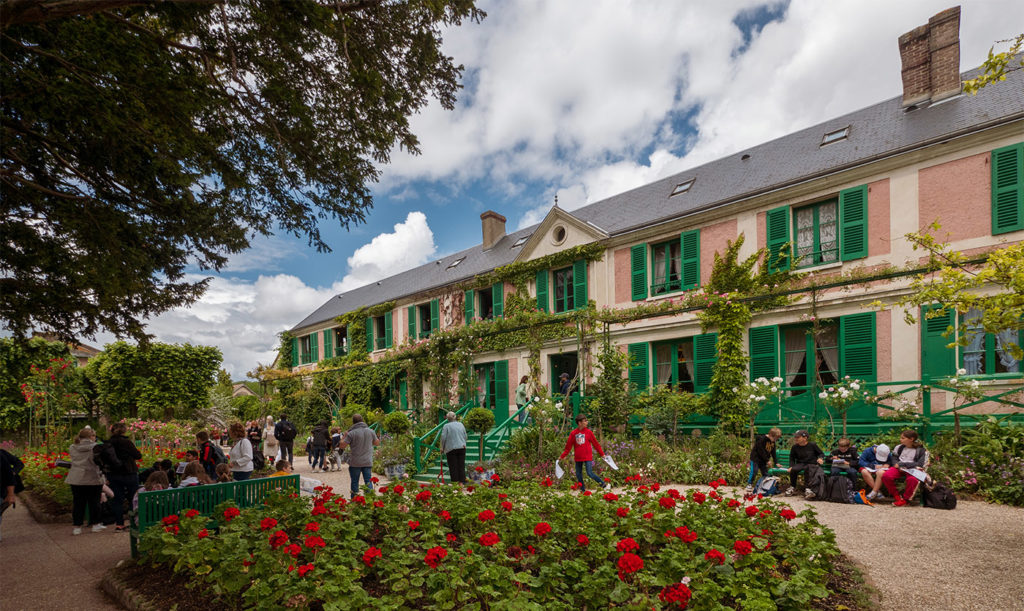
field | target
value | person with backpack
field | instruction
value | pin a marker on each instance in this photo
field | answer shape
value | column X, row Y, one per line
column 762, row 455
column 874, row 461
column 805, row 457
column 285, row 432
column 117, row 458
column 241, row 453
column 910, row 455
column 210, row 454
column 321, row 441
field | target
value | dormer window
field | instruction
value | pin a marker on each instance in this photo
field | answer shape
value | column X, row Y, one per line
column 682, row 187
column 520, row 241
column 835, row 136
column 456, row 262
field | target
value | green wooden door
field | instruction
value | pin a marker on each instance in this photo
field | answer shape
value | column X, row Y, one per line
column 500, row 391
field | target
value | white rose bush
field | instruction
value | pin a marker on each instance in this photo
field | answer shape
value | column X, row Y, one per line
column 757, row 395
column 843, row 395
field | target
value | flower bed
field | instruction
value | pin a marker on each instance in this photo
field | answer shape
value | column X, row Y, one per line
column 514, row 547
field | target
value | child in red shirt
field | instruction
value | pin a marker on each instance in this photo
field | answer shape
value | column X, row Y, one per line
column 580, row 441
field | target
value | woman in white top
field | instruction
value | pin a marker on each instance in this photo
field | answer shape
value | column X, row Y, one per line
column 270, row 445
column 240, row 456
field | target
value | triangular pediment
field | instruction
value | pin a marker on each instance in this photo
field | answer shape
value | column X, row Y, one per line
column 558, row 231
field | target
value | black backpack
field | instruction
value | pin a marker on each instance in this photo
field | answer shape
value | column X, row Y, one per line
column 218, row 454
column 814, row 479
column 940, row 497
column 258, row 460
column 838, row 489
column 288, row 431
column 106, row 457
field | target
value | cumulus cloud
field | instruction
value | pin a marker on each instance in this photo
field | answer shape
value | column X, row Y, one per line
column 243, row 317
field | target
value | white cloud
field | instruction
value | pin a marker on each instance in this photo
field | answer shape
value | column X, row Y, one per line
column 243, row 317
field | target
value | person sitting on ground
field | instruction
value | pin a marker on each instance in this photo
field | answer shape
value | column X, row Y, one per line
column 580, row 441
column 844, row 459
column 874, row 461
column 283, row 468
column 803, row 455
column 762, row 455
column 194, row 475
column 223, row 474
column 909, row 455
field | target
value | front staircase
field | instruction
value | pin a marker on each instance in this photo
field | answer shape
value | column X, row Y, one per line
column 493, row 446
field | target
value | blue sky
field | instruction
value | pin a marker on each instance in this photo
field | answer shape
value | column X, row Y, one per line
column 581, row 99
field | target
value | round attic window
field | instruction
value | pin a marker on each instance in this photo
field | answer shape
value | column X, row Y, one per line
column 558, row 234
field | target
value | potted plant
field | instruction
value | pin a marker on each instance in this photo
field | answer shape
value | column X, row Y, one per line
column 397, row 454
column 479, row 420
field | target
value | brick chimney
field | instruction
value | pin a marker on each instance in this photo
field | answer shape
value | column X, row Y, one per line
column 493, row 227
column 931, row 59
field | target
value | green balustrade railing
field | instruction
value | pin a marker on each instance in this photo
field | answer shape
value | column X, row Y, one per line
column 426, row 447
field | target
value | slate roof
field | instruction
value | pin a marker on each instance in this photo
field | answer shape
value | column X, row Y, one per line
column 876, row 132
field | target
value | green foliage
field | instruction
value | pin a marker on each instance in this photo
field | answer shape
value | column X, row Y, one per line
column 183, row 138
column 663, row 408
column 396, row 423
column 247, row 407
column 995, row 65
column 612, row 402
column 479, row 420
column 988, row 461
column 535, row 559
column 158, row 381
column 16, row 360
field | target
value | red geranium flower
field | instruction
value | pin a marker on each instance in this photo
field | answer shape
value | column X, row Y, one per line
column 627, row 545
column 489, row 539
column 478, row 469
column 587, row 493
column 434, row 556
column 485, row 515
column 751, row 510
column 502, row 495
column 715, row 556
column 495, row 478
column 743, row 547
column 541, row 529
column 686, row 534
column 231, row 513
column 293, row 550
column 669, row 534
column 648, row 515
column 278, row 539
column 677, row 594
column 374, row 480
column 629, row 563
column 576, row 486
column 383, row 489
column 451, row 537
column 667, row 502
column 423, row 495
column 313, row 526
column 655, row 486
column 202, row 534
column 170, row 520
column 611, row 497
column 698, row 497
column 315, row 542
column 398, row 489
column 583, row 540
column 546, row 482
column 413, row 524
column 304, row 569
column 267, row 523
column 445, row 515
column 672, row 492
column 320, row 509
column 191, row 513
column 172, row 529
column 378, row 504
column 787, row 514
column 714, row 484
column 734, row 503
column 356, row 499
column 371, row 554
column 506, row 506
column 622, row 512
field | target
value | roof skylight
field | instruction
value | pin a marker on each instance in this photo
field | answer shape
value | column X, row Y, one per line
column 520, row 241
column 682, row 187
column 836, row 136
column 456, row 262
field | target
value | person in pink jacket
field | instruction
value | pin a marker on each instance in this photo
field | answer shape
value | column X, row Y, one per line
column 580, row 441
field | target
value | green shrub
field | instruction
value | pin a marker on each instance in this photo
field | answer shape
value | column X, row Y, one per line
column 479, row 420
column 988, row 462
column 396, row 423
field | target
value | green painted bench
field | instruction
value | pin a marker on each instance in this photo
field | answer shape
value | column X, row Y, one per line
column 156, row 504
column 782, row 468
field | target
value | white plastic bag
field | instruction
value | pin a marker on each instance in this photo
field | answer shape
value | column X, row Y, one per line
column 558, row 470
column 611, row 462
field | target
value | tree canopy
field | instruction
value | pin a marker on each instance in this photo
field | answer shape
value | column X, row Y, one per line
column 140, row 139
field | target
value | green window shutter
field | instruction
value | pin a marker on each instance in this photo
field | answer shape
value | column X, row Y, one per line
column 411, row 311
column 705, row 353
column 369, row 335
column 853, row 223
column 388, row 336
column 470, row 297
column 689, row 247
column 638, row 358
column 500, row 391
column 777, row 239
column 638, row 271
column 295, row 352
column 937, row 360
column 328, row 343
column 764, row 352
column 579, row 284
column 498, row 298
column 857, row 346
column 314, row 348
column 542, row 290
column 435, row 315
column 1008, row 189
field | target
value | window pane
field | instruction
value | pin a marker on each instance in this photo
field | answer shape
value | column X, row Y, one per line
column 659, row 264
column 675, row 263
column 974, row 352
column 805, row 235
column 1005, row 363
column 827, row 358
column 827, row 234
column 795, row 341
column 663, row 362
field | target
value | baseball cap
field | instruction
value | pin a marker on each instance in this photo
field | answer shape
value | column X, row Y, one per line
column 881, row 452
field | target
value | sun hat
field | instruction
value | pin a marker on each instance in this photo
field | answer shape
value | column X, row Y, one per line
column 881, row 452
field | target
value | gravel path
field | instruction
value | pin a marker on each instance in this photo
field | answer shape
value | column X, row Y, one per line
column 971, row 558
